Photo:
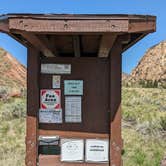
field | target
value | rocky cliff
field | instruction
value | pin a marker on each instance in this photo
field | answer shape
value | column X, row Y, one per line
column 12, row 74
column 151, row 69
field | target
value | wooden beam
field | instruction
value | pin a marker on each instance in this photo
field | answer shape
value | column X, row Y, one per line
column 4, row 27
column 72, row 134
column 38, row 43
column 33, row 74
column 55, row 160
column 106, row 43
column 80, row 26
column 49, row 44
column 115, row 104
column 142, row 26
column 67, row 26
column 76, row 44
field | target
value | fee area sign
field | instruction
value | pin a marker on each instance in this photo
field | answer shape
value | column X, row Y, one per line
column 50, row 99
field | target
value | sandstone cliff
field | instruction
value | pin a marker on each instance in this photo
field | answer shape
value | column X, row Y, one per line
column 152, row 67
column 12, row 74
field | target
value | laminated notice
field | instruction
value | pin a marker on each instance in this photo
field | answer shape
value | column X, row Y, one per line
column 56, row 68
column 73, row 109
column 50, row 99
column 56, row 80
column 73, row 87
column 72, row 150
column 50, row 115
column 97, row 150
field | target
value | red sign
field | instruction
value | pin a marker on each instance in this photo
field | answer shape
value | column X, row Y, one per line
column 50, row 99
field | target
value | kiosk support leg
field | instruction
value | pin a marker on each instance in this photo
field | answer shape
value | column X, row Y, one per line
column 115, row 105
column 32, row 107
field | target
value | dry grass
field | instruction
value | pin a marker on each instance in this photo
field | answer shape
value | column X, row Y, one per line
column 144, row 124
column 12, row 133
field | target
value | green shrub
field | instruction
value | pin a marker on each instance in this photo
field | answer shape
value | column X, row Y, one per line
column 163, row 123
column 157, row 158
column 148, row 83
column 139, row 157
column 13, row 109
column 4, row 128
column 129, row 116
column 3, row 93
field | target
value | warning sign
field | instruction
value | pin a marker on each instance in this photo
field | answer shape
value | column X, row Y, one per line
column 50, row 99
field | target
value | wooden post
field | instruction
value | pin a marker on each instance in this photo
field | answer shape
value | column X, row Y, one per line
column 115, row 104
column 32, row 107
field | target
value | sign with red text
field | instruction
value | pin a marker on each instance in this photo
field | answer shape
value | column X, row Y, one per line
column 50, row 99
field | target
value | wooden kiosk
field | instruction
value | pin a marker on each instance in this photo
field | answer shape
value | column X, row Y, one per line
column 74, row 68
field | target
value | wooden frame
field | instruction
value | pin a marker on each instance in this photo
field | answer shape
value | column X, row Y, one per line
column 41, row 34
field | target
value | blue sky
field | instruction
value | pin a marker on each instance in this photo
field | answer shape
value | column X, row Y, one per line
column 130, row 58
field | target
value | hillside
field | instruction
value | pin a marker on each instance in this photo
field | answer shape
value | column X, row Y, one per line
column 13, row 74
column 151, row 70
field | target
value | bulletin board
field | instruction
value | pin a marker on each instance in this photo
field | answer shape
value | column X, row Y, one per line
column 94, row 97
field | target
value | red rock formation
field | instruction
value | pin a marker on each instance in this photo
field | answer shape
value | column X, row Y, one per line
column 12, row 74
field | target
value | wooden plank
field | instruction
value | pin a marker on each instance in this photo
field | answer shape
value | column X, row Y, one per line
column 144, row 26
column 60, row 26
column 4, row 27
column 38, row 44
column 72, row 134
column 115, row 104
column 32, row 107
column 52, row 160
column 76, row 44
column 83, row 16
column 106, row 44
